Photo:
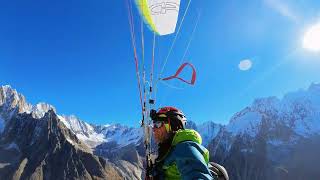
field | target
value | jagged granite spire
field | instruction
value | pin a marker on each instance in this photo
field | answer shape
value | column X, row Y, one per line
column 46, row 149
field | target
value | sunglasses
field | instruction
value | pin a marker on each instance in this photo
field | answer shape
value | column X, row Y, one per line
column 157, row 124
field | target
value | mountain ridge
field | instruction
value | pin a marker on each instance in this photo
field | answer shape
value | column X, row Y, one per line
column 273, row 138
column 263, row 136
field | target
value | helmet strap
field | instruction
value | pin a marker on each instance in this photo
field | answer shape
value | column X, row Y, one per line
column 168, row 126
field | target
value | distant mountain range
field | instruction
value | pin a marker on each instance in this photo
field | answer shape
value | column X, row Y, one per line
column 271, row 139
column 120, row 147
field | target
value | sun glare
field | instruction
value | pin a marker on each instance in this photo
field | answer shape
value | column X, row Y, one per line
column 311, row 39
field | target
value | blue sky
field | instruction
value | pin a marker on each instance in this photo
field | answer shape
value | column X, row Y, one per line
column 77, row 56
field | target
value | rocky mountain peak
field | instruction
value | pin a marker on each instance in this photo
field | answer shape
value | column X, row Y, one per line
column 40, row 109
column 11, row 100
column 272, row 133
column 297, row 114
column 46, row 149
column 265, row 105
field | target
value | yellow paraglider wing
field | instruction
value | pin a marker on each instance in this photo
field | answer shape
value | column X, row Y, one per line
column 160, row 15
column 143, row 8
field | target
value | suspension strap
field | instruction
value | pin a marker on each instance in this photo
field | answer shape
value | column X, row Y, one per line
column 193, row 78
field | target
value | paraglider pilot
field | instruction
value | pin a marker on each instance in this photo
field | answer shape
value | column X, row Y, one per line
column 180, row 153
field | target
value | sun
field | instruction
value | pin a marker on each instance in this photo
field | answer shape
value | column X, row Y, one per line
column 311, row 39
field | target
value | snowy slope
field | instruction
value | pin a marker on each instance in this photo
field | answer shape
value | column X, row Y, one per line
column 273, row 132
column 96, row 135
column 298, row 110
column 208, row 131
column 245, row 124
column 123, row 135
column 39, row 110
column 82, row 130
column 280, row 123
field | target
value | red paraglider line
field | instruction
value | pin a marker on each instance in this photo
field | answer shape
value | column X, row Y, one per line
column 130, row 17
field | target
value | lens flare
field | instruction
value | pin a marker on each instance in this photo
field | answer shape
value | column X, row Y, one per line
column 311, row 39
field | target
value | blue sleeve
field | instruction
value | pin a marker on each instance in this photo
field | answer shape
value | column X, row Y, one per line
column 190, row 162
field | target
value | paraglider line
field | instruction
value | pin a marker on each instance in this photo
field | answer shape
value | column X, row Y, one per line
column 171, row 48
column 175, row 38
column 191, row 38
column 171, row 86
column 130, row 17
column 152, row 66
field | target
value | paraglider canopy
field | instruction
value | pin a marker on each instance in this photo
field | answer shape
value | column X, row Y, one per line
column 160, row 15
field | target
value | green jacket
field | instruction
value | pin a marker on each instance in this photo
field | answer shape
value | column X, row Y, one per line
column 185, row 159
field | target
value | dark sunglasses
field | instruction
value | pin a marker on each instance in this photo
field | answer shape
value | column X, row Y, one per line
column 157, row 124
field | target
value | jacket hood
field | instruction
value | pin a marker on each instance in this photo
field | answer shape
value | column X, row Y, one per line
column 186, row 135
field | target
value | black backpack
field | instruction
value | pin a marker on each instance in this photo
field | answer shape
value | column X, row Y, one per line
column 218, row 171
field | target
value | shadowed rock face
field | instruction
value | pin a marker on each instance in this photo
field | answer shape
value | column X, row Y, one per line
column 45, row 149
column 36, row 143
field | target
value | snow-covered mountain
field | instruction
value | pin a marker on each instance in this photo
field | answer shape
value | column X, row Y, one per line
column 11, row 102
column 269, row 133
column 35, row 144
column 83, row 130
column 123, row 135
column 300, row 111
column 94, row 135
column 10, row 99
column 23, row 126
column 208, row 130
column 270, row 139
